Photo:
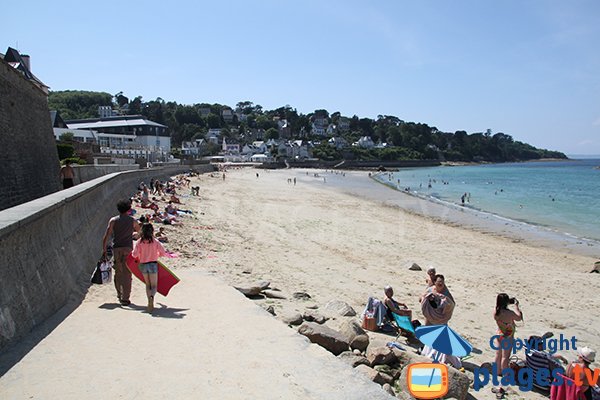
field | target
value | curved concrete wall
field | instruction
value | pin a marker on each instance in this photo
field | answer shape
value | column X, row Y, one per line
column 50, row 246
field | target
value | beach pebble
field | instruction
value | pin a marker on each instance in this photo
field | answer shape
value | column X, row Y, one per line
column 250, row 291
column 388, row 388
column 353, row 359
column 301, row 295
column 371, row 374
column 415, row 267
column 272, row 294
column 380, row 355
column 270, row 310
column 292, row 319
column 338, row 307
column 312, row 316
column 357, row 352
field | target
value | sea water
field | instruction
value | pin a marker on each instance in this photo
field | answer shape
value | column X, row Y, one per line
column 563, row 196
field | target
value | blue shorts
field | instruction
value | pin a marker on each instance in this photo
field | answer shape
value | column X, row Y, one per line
column 149, row 267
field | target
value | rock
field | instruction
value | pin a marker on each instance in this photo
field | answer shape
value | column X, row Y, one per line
column 273, row 294
column 371, row 373
column 596, row 267
column 250, row 291
column 388, row 388
column 301, row 295
column 264, row 285
column 270, row 310
column 356, row 335
column 386, row 378
column 337, row 307
column 415, row 267
column 312, row 316
column 357, row 352
column 292, row 319
column 458, row 382
column 247, row 271
column 380, row 355
column 324, row 336
column 313, row 306
column 353, row 359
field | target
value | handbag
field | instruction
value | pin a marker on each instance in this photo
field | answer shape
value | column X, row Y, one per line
column 369, row 322
column 103, row 273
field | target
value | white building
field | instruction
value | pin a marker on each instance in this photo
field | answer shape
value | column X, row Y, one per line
column 131, row 135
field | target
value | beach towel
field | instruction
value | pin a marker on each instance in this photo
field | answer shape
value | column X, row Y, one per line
column 376, row 308
column 567, row 391
column 437, row 309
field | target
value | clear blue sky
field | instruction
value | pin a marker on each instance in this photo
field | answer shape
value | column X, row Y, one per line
column 530, row 69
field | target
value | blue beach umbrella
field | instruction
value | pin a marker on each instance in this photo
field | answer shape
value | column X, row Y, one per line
column 444, row 340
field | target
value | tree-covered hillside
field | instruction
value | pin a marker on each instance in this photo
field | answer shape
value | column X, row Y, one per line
column 403, row 139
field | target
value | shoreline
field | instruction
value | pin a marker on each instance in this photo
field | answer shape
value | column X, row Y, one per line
column 470, row 218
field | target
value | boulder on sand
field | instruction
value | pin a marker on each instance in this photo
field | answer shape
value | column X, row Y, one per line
column 325, row 337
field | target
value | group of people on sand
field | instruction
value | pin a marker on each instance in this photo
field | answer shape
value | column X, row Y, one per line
column 138, row 238
column 437, row 305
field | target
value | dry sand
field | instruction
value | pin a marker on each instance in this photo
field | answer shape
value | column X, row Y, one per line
column 333, row 245
column 311, row 238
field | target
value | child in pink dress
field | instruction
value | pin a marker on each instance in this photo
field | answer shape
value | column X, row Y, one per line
column 147, row 250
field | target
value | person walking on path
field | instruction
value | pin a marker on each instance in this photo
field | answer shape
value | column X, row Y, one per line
column 121, row 227
column 147, row 249
column 67, row 174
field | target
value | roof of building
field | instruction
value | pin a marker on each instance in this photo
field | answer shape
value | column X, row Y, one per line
column 112, row 122
column 57, row 121
column 14, row 59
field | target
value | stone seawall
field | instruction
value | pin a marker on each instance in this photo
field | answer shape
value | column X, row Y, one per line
column 27, row 147
column 50, row 246
column 84, row 173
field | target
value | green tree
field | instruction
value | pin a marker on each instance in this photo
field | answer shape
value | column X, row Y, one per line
column 66, row 137
column 271, row 133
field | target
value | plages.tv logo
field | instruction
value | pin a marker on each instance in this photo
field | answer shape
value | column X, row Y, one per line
column 427, row 380
column 525, row 377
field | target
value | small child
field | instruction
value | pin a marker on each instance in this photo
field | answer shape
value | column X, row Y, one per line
column 147, row 249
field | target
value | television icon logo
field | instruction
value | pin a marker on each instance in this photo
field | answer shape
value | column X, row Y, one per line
column 427, row 380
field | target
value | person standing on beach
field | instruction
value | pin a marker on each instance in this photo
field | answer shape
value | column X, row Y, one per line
column 147, row 249
column 121, row 227
column 505, row 320
column 67, row 174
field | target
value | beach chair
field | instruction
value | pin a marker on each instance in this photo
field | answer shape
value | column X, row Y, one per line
column 403, row 323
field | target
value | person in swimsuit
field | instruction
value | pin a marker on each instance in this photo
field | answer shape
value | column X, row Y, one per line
column 505, row 320
column 67, row 174
column 394, row 306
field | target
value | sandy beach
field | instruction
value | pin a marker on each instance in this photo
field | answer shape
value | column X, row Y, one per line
column 314, row 237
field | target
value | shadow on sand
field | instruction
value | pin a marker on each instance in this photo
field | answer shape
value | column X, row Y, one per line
column 160, row 310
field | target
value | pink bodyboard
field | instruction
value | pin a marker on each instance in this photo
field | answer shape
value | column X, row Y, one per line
column 166, row 278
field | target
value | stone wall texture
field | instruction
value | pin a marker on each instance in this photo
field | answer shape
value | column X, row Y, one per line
column 50, row 246
column 28, row 152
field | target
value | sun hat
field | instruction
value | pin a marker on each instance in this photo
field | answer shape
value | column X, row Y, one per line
column 587, row 354
column 430, row 269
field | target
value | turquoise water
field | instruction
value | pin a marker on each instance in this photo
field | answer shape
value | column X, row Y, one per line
column 561, row 196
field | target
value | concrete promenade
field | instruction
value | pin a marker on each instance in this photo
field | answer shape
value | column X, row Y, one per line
column 204, row 341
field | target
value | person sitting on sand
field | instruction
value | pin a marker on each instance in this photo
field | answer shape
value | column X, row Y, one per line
column 585, row 356
column 174, row 199
column 394, row 306
column 161, row 235
column 430, row 280
column 171, row 209
column 437, row 304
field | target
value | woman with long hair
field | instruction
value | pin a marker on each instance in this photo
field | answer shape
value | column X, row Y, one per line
column 147, row 249
column 505, row 320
